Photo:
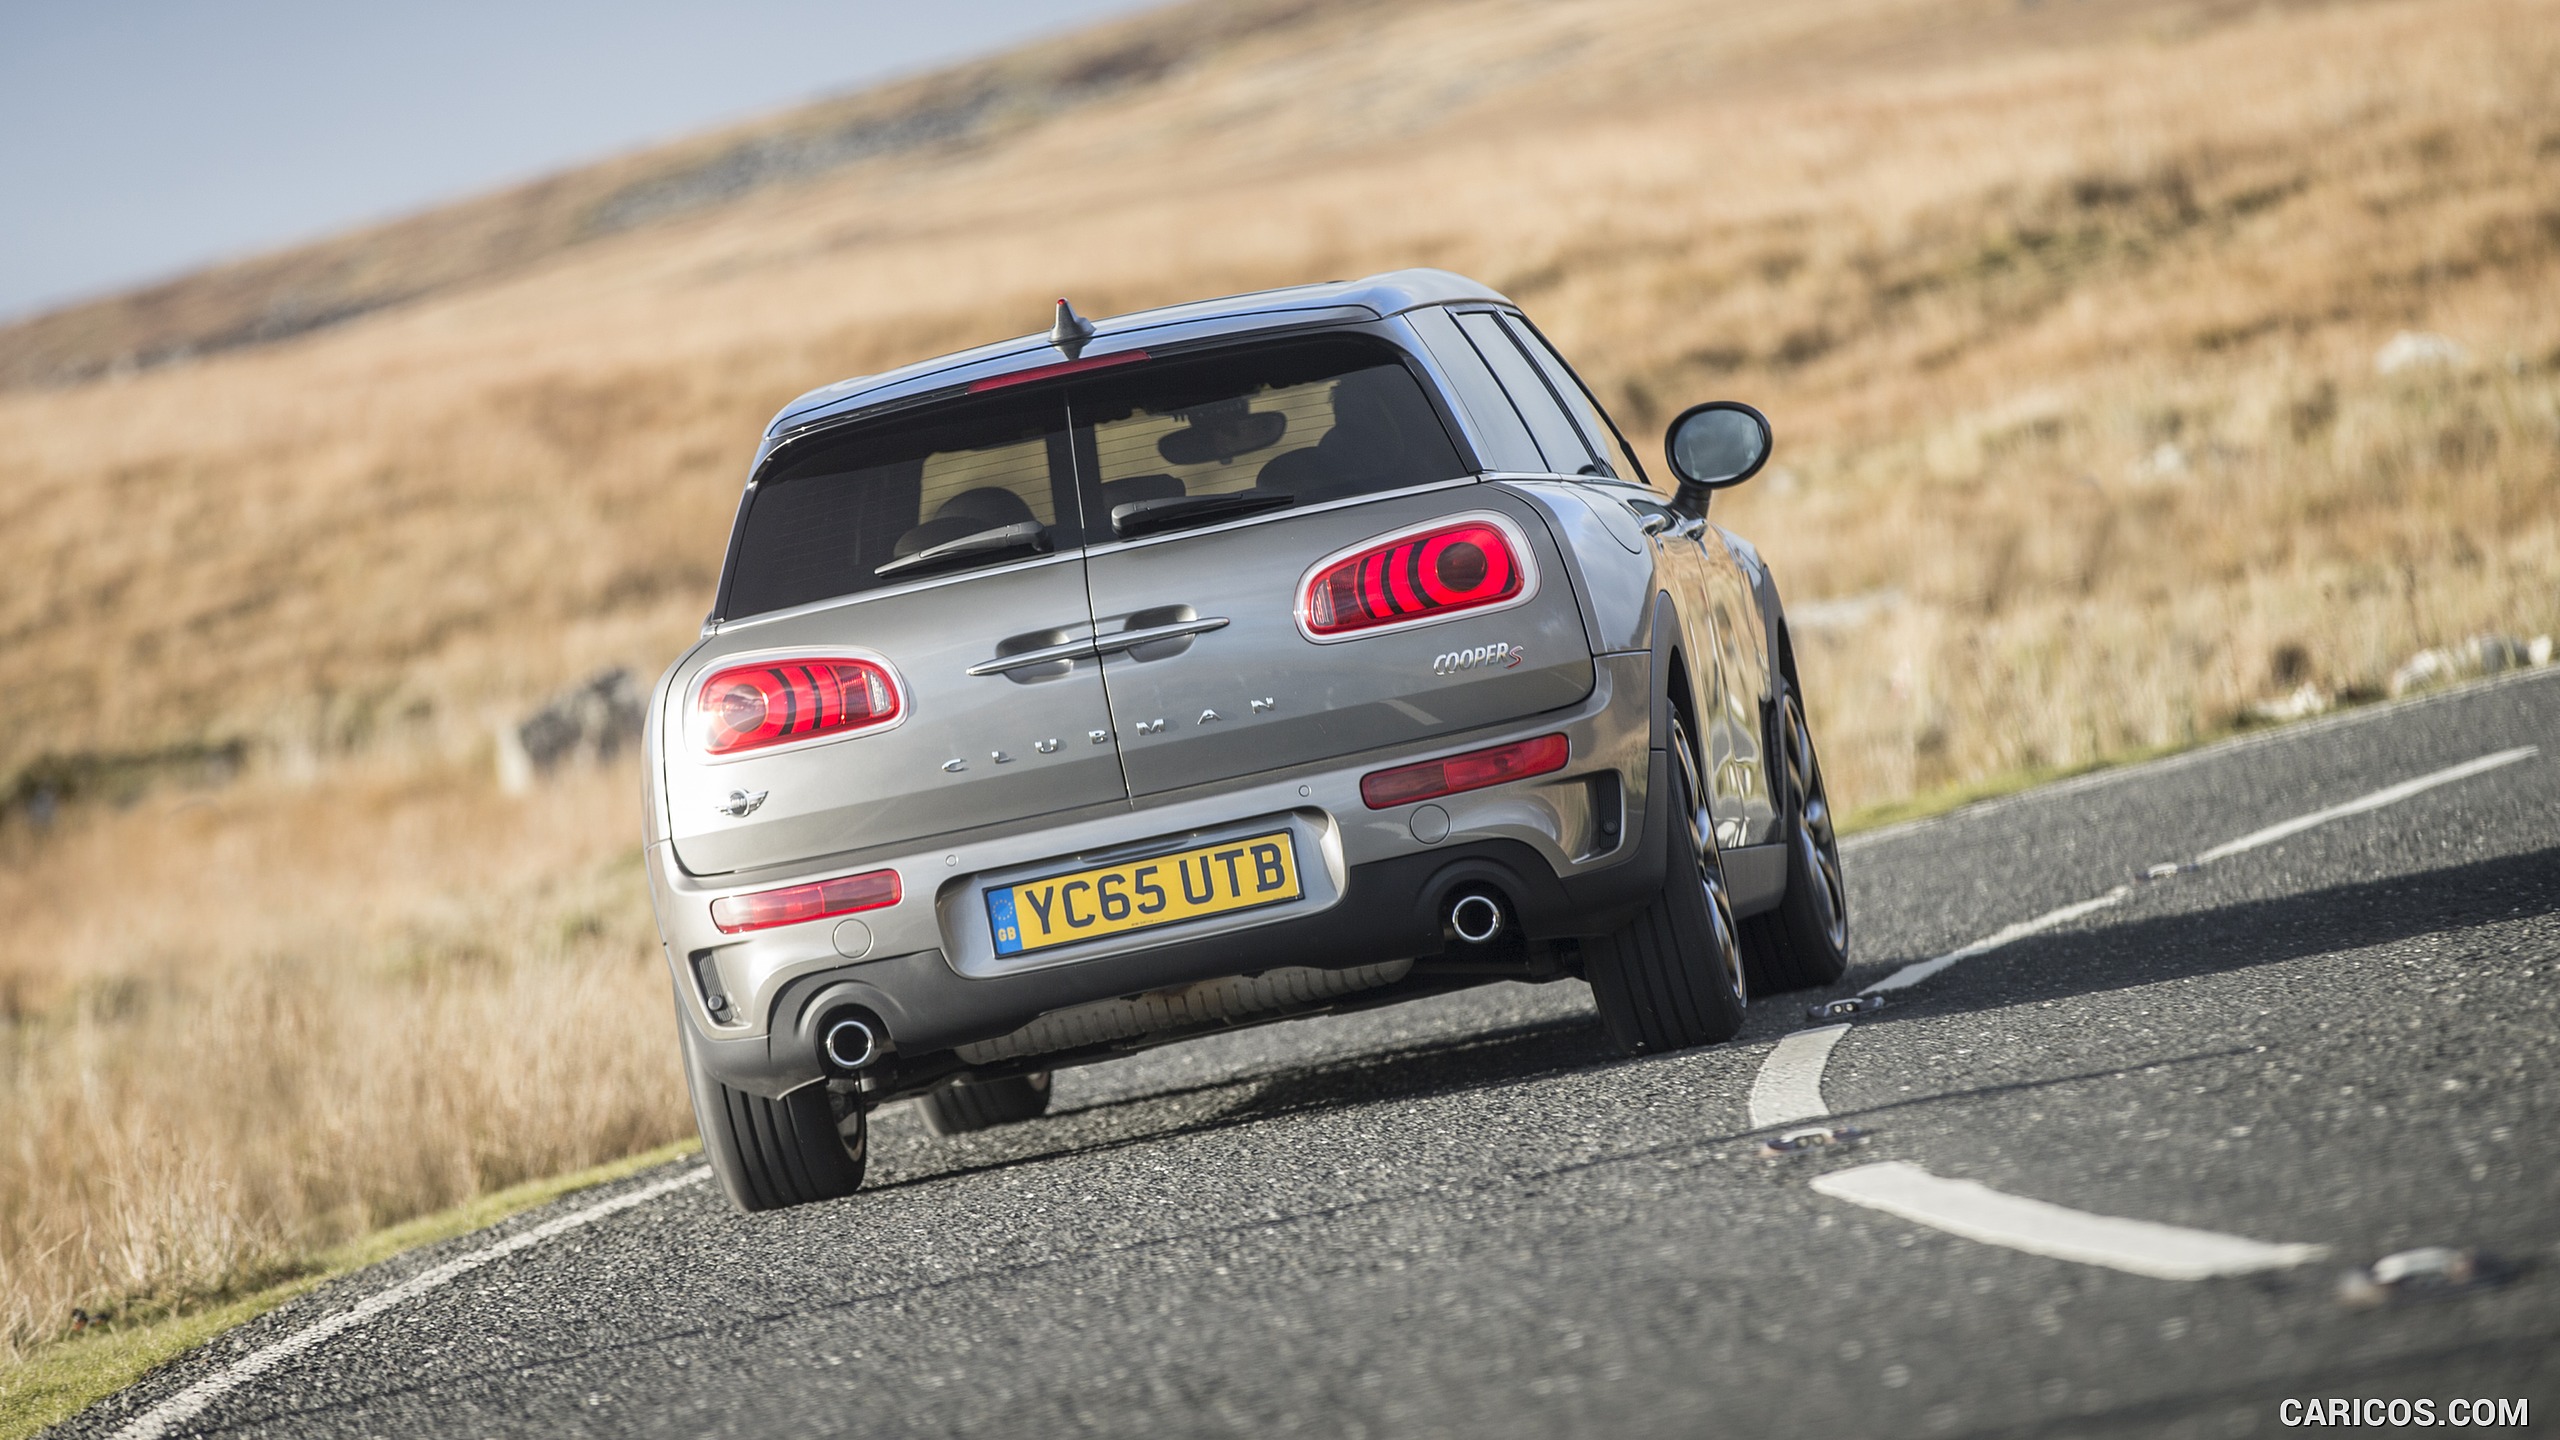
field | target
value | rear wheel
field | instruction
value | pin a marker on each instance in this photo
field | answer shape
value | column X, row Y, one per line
column 1673, row 977
column 1803, row 943
column 966, row 1105
column 809, row 1145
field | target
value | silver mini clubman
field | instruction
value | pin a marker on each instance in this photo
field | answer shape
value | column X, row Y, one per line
column 1274, row 656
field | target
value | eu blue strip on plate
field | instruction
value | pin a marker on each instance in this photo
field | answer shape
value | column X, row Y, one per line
column 1008, row 933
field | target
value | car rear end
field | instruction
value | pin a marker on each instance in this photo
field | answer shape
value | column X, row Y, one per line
column 1058, row 705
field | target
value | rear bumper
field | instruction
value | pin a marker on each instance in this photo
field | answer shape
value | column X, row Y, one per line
column 1575, row 851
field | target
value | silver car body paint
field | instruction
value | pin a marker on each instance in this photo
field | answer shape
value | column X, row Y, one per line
column 1114, row 750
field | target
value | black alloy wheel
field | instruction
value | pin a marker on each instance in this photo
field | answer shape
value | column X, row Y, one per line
column 1804, row 943
column 1674, row 976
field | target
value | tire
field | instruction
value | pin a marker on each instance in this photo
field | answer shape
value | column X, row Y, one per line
column 1674, row 977
column 1804, row 943
column 964, row 1106
column 768, row 1154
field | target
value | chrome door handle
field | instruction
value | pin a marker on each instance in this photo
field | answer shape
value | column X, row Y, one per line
column 1132, row 639
column 1092, row 646
column 1083, row 649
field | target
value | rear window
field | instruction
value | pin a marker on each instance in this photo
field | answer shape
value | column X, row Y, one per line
column 1309, row 422
column 830, row 516
column 992, row 479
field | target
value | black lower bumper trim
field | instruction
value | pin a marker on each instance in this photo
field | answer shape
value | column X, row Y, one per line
column 1389, row 910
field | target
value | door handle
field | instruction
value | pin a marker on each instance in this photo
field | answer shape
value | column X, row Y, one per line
column 1092, row 646
column 1131, row 639
column 1083, row 649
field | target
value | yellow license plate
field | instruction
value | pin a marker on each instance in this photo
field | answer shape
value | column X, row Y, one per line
column 1113, row 899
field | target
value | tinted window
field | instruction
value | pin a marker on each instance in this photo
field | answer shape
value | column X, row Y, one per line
column 1310, row 421
column 1504, row 436
column 1568, row 388
column 834, row 509
column 1558, row 439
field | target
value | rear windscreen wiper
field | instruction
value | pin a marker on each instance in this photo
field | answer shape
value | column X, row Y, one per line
column 1144, row 517
column 1027, row 535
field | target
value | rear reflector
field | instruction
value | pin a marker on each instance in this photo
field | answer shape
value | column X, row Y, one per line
column 764, row 909
column 1051, row 372
column 1443, row 571
column 1472, row 771
column 747, row 707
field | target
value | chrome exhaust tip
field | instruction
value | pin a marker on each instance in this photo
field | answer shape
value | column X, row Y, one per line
column 849, row 1043
column 1475, row 918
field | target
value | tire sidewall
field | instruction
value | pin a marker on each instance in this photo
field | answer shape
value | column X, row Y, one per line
column 1694, row 886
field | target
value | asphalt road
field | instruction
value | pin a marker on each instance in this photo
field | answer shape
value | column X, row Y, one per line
column 1468, row 1217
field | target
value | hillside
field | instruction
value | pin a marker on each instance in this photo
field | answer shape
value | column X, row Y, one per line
column 1897, row 224
column 2067, row 315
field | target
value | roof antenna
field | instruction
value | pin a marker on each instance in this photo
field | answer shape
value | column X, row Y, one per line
column 1071, row 331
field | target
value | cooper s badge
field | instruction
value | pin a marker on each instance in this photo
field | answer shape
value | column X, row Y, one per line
column 1502, row 656
column 742, row 803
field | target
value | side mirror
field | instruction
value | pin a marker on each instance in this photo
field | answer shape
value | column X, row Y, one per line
column 1711, row 446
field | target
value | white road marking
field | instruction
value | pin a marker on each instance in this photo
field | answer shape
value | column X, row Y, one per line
column 1918, row 971
column 2375, row 801
column 178, row 1409
column 1913, row 974
column 1978, row 1212
column 1789, row 1085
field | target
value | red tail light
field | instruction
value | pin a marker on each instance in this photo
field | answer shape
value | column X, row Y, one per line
column 747, row 707
column 1453, row 567
column 1472, row 771
column 764, row 909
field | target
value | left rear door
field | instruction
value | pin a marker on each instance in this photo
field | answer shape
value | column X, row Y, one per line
column 984, row 730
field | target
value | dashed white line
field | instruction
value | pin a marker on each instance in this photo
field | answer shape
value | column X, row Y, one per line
column 1789, row 1085
column 1913, row 974
column 2375, row 801
column 1978, row 1212
column 178, row 1409
column 1918, row 971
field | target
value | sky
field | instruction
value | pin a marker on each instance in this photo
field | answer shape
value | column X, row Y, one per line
column 140, row 139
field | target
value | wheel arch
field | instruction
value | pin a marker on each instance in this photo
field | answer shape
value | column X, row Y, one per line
column 1671, row 672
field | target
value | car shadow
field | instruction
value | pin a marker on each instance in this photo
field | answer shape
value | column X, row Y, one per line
column 2243, row 935
column 1452, row 1066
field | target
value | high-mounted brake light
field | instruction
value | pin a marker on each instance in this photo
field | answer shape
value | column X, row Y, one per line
column 764, row 909
column 1051, row 372
column 774, row 702
column 1474, row 770
column 1449, row 568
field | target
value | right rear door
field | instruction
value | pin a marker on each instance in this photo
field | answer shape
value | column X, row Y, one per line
column 1238, row 686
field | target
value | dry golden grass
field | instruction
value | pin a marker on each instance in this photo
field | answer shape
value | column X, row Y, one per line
column 286, row 1016
column 1981, row 264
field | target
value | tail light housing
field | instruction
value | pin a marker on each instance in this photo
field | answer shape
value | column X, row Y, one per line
column 817, row 900
column 1474, row 770
column 1467, row 564
column 779, row 701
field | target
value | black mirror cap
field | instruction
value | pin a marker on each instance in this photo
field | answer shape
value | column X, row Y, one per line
column 1705, row 437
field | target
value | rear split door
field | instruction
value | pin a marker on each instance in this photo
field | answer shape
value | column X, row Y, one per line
column 1293, row 562
column 906, row 645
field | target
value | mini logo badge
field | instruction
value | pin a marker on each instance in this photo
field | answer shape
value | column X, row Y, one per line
column 1502, row 656
column 742, row 803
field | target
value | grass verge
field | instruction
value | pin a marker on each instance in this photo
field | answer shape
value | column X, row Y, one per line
column 63, row 1378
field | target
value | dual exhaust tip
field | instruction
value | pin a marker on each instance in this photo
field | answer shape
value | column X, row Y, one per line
column 850, row 1041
